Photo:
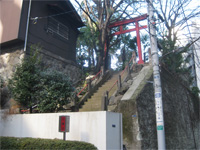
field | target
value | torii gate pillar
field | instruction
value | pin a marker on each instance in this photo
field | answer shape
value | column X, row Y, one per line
column 139, row 44
column 137, row 29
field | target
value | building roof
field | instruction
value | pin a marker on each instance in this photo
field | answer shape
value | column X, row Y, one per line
column 75, row 14
column 70, row 10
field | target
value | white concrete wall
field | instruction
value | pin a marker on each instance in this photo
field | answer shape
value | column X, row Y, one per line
column 103, row 129
column 114, row 131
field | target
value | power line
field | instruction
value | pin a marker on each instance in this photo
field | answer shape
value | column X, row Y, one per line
column 186, row 22
column 37, row 18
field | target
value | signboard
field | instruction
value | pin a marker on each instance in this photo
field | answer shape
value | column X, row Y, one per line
column 159, row 112
column 64, row 123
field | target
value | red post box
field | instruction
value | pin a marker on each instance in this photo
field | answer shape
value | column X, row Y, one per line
column 64, row 123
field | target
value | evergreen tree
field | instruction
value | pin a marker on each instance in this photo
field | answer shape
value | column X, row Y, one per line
column 55, row 91
column 24, row 80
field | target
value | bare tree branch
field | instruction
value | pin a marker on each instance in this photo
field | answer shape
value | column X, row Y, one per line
column 181, row 49
column 87, row 14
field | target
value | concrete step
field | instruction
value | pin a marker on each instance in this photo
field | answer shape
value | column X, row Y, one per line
column 95, row 100
column 108, row 83
column 97, row 94
column 94, row 103
column 91, row 107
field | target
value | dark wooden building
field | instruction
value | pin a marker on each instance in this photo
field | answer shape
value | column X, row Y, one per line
column 53, row 24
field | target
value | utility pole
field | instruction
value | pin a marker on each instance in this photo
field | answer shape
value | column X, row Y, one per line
column 157, row 80
column 27, row 26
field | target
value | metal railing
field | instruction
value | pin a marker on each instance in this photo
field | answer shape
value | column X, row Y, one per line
column 121, row 74
column 89, row 82
column 105, row 97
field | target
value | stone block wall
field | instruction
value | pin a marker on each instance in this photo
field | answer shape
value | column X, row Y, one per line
column 8, row 61
column 69, row 68
column 181, row 116
column 11, row 57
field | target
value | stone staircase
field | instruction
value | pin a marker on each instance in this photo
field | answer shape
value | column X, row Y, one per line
column 94, row 103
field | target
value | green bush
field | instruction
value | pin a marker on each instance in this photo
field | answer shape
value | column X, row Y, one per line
column 4, row 93
column 33, row 85
column 24, row 80
column 195, row 91
column 55, row 91
column 31, row 143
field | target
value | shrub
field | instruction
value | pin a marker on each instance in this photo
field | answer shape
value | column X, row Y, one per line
column 55, row 91
column 4, row 93
column 24, row 80
column 195, row 91
column 31, row 143
column 30, row 85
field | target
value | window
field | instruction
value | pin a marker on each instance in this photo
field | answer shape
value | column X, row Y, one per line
column 57, row 28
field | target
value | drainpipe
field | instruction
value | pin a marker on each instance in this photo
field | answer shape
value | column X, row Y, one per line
column 27, row 25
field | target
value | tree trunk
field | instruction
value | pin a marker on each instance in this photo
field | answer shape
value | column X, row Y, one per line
column 99, row 62
column 31, row 110
column 93, row 62
column 123, row 55
column 89, row 59
column 101, row 50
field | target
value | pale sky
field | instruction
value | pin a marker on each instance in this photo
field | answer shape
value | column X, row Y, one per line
column 143, row 9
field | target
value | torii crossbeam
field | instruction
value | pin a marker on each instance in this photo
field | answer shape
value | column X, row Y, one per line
column 137, row 29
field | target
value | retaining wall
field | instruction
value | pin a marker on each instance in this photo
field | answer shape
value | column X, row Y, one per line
column 103, row 129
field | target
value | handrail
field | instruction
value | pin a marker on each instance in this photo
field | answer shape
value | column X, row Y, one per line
column 123, row 70
column 24, row 110
column 112, row 86
column 87, row 84
column 82, row 90
column 96, row 75
column 121, row 74
column 126, row 66
column 99, row 73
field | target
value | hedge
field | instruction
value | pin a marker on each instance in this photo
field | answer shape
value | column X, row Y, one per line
column 31, row 143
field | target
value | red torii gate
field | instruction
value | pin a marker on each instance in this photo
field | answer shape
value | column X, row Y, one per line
column 137, row 29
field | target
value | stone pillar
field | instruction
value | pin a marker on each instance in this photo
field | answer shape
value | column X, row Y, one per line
column 102, row 71
column 119, row 83
column 134, row 60
column 104, row 103
column 89, row 85
column 144, row 57
column 134, row 57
